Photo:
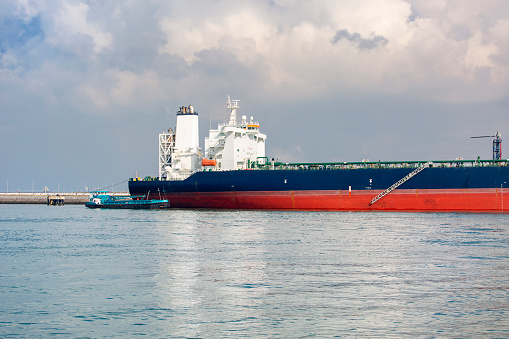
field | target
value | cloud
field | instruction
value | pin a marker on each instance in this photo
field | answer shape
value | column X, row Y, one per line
column 430, row 44
column 187, row 36
column 123, row 88
column 324, row 67
column 72, row 20
column 26, row 9
column 361, row 43
column 285, row 46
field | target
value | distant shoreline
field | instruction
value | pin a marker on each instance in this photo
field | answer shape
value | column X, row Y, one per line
column 42, row 198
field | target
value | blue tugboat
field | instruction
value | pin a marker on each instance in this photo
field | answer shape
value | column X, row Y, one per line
column 100, row 199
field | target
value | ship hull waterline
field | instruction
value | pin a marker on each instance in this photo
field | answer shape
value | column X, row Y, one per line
column 455, row 200
column 462, row 189
column 147, row 206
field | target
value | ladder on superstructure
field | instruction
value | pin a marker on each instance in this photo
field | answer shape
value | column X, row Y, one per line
column 400, row 182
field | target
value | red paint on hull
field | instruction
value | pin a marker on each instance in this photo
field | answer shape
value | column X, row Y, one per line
column 446, row 200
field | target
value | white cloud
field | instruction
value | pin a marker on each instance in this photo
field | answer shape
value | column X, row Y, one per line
column 329, row 69
column 27, row 9
column 307, row 49
column 441, row 51
column 187, row 36
column 123, row 88
column 297, row 43
column 479, row 54
column 71, row 19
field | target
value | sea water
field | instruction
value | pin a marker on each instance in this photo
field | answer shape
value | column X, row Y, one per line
column 69, row 271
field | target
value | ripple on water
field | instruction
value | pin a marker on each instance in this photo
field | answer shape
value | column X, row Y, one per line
column 174, row 273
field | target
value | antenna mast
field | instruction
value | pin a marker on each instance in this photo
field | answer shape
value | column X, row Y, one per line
column 232, row 105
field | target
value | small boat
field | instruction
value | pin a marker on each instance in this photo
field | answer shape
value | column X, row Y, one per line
column 100, row 199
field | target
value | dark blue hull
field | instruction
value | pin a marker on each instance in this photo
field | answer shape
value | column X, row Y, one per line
column 327, row 179
column 479, row 189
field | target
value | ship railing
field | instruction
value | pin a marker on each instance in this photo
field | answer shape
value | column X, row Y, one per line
column 384, row 164
column 182, row 175
column 356, row 165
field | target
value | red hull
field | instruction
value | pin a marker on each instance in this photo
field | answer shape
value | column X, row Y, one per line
column 445, row 200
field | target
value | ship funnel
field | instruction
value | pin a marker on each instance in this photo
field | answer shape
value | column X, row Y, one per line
column 187, row 150
column 187, row 129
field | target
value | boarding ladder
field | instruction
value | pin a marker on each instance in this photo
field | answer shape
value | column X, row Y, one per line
column 400, row 182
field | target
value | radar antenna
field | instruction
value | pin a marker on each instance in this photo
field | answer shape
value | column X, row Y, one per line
column 497, row 144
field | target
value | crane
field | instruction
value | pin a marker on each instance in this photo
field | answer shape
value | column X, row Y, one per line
column 497, row 144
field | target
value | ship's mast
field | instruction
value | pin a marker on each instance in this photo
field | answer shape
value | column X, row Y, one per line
column 232, row 105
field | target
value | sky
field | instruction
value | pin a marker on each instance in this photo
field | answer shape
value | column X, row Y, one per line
column 87, row 86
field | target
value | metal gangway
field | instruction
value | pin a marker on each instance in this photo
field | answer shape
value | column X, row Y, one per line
column 400, row 182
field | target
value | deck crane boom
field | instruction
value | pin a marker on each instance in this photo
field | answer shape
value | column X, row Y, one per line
column 497, row 144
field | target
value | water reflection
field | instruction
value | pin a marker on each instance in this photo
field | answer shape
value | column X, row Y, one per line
column 174, row 273
column 215, row 269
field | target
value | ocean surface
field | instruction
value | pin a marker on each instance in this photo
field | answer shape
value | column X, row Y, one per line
column 69, row 271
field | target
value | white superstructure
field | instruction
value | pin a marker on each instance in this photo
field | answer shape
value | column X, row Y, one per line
column 232, row 146
column 235, row 146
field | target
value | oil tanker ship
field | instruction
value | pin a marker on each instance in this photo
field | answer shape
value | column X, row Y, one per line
column 234, row 173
